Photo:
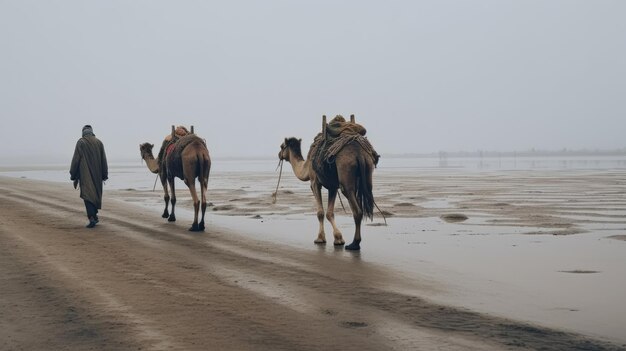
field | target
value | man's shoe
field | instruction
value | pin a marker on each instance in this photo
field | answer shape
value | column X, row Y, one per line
column 92, row 223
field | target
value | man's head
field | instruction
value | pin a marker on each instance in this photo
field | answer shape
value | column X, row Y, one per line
column 87, row 130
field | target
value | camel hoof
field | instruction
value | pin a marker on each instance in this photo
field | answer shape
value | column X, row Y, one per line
column 355, row 246
column 171, row 218
column 320, row 241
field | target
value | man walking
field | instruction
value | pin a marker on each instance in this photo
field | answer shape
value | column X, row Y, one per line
column 89, row 168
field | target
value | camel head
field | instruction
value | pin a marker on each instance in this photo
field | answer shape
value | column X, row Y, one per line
column 146, row 150
column 290, row 147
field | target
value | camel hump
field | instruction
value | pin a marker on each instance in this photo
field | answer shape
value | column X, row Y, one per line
column 323, row 150
column 184, row 141
column 189, row 138
column 172, row 142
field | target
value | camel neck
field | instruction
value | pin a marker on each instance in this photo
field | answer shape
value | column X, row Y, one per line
column 152, row 164
column 300, row 167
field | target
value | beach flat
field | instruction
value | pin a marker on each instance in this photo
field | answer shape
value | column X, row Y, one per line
column 136, row 281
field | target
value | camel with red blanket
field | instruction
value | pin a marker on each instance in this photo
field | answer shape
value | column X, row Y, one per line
column 182, row 155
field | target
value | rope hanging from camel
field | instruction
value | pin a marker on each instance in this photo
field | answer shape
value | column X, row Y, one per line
column 375, row 204
column 275, row 194
column 381, row 212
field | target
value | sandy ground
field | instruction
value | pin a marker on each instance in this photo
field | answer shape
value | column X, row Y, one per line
column 137, row 282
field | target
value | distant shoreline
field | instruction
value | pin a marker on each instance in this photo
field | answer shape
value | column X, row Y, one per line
column 441, row 159
column 525, row 153
column 29, row 161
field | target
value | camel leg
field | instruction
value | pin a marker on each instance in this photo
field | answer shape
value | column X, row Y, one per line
column 350, row 194
column 317, row 193
column 203, row 188
column 196, row 204
column 172, row 217
column 330, row 215
column 166, row 197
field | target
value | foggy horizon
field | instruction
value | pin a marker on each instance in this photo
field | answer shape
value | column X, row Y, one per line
column 421, row 76
column 61, row 160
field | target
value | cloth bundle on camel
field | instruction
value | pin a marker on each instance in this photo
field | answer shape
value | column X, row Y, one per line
column 169, row 142
column 334, row 136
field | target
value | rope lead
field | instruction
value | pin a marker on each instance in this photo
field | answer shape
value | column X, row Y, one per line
column 275, row 194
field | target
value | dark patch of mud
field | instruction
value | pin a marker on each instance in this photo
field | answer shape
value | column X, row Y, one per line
column 580, row 271
column 454, row 217
column 351, row 324
column 404, row 204
column 224, row 208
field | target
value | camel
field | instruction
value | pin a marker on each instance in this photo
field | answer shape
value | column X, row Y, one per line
column 157, row 166
column 183, row 155
column 351, row 172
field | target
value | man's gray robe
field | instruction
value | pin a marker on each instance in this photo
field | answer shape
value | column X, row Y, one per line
column 89, row 166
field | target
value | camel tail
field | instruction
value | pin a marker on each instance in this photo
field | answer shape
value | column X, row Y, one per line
column 207, row 169
column 204, row 167
column 364, row 194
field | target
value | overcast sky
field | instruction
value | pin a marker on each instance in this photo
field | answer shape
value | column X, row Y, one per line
column 421, row 76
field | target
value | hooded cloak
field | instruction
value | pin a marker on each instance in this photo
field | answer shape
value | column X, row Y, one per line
column 89, row 166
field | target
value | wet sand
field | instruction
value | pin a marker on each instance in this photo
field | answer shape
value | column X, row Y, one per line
column 136, row 281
